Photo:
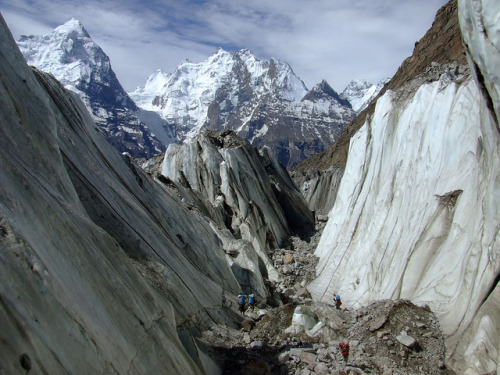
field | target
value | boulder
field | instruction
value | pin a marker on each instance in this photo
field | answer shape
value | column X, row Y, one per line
column 406, row 340
column 288, row 259
column 308, row 357
column 316, row 330
column 283, row 357
column 258, row 344
column 321, row 368
column 247, row 325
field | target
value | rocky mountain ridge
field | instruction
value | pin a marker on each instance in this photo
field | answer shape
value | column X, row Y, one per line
column 264, row 102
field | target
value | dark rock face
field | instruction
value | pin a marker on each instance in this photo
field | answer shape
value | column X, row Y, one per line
column 324, row 90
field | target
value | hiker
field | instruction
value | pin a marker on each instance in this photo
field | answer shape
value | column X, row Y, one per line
column 251, row 301
column 241, row 300
column 344, row 349
column 338, row 302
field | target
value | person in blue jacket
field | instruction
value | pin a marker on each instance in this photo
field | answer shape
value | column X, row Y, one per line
column 251, row 301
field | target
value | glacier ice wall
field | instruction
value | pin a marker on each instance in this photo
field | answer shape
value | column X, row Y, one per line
column 251, row 195
column 417, row 211
column 99, row 265
column 480, row 25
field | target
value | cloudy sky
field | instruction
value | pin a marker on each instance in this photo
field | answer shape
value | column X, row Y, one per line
column 336, row 40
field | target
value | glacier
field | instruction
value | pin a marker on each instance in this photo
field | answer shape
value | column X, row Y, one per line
column 99, row 265
column 417, row 212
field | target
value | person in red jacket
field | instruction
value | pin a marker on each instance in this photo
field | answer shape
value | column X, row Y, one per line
column 344, row 349
column 337, row 301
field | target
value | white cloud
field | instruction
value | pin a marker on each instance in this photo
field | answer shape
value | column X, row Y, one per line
column 336, row 40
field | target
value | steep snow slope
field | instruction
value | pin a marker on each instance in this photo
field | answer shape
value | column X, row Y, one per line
column 81, row 65
column 360, row 93
column 418, row 211
column 99, row 265
column 264, row 102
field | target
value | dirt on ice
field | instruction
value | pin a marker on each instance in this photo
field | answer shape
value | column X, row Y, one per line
column 290, row 334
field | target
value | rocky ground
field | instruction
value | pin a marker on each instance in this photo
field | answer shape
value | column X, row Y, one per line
column 301, row 337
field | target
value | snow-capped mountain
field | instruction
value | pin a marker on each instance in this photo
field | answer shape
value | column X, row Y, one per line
column 264, row 102
column 360, row 93
column 80, row 65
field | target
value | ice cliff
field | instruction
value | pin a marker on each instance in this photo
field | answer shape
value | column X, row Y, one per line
column 250, row 194
column 102, row 269
column 417, row 212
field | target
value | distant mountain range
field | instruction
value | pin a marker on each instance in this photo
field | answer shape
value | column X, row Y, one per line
column 264, row 102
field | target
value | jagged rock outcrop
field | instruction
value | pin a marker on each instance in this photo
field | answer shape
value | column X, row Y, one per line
column 102, row 270
column 225, row 171
column 70, row 54
column 416, row 214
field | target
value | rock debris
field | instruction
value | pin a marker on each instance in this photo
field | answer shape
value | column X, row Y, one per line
column 289, row 333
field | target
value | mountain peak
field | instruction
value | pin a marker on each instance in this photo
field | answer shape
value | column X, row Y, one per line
column 72, row 26
column 358, row 84
column 323, row 90
column 360, row 92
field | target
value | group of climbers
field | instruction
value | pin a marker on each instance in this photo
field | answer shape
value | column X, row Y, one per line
column 344, row 345
column 242, row 297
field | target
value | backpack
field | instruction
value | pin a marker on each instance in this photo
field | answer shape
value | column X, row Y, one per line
column 242, row 299
column 250, row 299
column 337, row 297
column 344, row 348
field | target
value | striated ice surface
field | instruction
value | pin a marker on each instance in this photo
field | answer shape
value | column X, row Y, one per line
column 417, row 212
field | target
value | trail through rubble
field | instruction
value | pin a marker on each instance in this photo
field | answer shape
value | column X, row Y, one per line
column 289, row 333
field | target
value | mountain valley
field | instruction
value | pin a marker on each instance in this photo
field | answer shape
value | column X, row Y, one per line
column 132, row 222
